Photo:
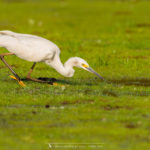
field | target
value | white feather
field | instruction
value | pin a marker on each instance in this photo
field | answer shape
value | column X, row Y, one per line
column 37, row 49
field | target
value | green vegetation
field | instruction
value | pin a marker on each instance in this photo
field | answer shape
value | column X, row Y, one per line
column 114, row 38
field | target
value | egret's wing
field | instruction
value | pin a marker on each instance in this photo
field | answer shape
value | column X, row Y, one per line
column 28, row 47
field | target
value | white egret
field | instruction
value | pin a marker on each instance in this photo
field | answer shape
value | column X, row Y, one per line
column 37, row 49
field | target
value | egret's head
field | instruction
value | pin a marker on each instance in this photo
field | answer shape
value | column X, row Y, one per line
column 81, row 63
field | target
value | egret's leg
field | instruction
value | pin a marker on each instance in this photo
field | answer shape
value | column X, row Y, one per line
column 9, row 67
column 29, row 73
column 33, row 79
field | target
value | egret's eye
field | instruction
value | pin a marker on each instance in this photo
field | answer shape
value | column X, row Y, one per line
column 84, row 65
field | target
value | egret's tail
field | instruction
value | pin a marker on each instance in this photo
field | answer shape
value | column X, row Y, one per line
column 7, row 32
column 6, row 38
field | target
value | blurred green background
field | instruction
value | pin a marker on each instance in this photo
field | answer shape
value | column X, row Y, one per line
column 113, row 36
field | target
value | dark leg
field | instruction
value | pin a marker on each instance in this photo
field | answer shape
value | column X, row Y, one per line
column 15, row 74
column 33, row 79
column 29, row 73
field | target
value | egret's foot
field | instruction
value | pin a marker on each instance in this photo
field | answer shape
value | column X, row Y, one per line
column 13, row 77
column 55, row 84
column 19, row 81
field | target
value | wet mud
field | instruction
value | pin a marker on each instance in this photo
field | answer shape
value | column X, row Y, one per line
column 136, row 81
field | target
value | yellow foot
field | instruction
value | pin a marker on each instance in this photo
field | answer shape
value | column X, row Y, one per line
column 20, row 82
column 13, row 77
column 55, row 84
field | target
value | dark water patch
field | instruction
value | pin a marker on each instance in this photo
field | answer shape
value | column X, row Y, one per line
column 87, row 82
column 146, row 115
column 134, row 57
column 109, row 93
column 22, row 106
column 43, row 80
column 34, row 112
column 95, row 81
column 110, row 107
column 131, row 125
column 143, row 25
column 136, row 93
column 47, row 79
column 129, row 31
column 47, row 106
column 81, row 81
column 126, row 81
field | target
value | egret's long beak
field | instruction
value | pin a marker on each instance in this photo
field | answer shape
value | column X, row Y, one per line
column 92, row 71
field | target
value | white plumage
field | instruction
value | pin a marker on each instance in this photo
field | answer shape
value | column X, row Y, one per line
column 28, row 47
column 37, row 49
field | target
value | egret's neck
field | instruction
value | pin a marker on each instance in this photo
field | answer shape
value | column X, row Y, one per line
column 65, row 70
